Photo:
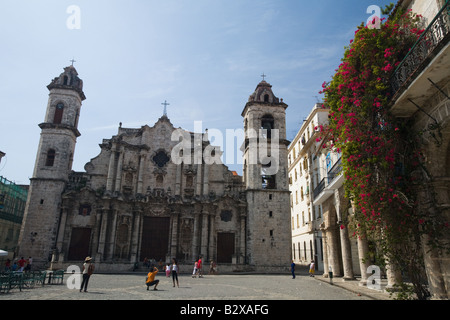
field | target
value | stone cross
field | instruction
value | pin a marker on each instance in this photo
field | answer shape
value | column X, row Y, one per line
column 165, row 104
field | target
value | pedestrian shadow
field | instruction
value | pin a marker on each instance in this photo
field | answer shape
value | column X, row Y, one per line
column 93, row 292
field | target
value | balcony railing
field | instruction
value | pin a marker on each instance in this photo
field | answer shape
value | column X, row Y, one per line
column 432, row 40
column 319, row 188
column 335, row 170
column 332, row 174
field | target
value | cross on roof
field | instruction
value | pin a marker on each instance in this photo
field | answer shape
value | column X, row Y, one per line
column 165, row 104
column 263, row 76
column 73, row 60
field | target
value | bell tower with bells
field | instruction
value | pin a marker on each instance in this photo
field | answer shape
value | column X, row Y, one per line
column 59, row 133
column 265, row 175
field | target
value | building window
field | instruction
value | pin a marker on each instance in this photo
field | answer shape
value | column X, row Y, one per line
column 268, row 182
column 161, row 158
column 304, row 248
column 57, row 119
column 50, row 158
column 293, row 250
column 84, row 210
column 267, row 123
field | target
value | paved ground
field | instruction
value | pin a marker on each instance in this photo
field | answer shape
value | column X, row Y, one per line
column 210, row 287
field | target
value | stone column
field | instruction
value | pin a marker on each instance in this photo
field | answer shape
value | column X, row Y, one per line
column 212, row 232
column 61, row 232
column 434, row 272
column 135, row 238
column 102, row 236
column 242, row 249
column 326, row 266
column 195, row 237
column 111, row 170
column 345, row 241
column 333, row 251
column 198, row 187
column 174, row 238
column 437, row 265
column 139, row 189
column 393, row 275
column 364, row 263
column 178, row 180
column 206, row 180
column 119, row 172
column 204, row 239
column 112, row 236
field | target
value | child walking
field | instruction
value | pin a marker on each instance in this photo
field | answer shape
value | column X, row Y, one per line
column 168, row 270
column 194, row 273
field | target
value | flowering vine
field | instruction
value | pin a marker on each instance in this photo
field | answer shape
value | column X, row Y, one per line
column 381, row 157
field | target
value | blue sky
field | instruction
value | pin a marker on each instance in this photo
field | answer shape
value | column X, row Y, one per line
column 205, row 57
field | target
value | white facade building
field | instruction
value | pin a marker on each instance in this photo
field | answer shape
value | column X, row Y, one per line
column 304, row 176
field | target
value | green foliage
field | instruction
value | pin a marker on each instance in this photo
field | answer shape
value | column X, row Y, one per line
column 381, row 156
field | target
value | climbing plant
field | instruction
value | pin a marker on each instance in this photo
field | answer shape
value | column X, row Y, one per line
column 382, row 158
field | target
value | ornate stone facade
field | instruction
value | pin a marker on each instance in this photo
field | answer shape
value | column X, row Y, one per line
column 138, row 200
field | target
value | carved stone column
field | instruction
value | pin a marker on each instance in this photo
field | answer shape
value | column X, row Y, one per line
column 204, row 239
column 195, row 236
column 102, row 236
column 174, row 238
column 135, row 238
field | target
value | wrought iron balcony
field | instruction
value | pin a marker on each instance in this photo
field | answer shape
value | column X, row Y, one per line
column 319, row 188
column 328, row 184
column 430, row 43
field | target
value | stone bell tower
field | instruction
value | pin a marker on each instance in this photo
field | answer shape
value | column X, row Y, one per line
column 53, row 164
column 266, row 180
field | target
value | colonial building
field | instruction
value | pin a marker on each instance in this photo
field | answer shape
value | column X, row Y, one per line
column 421, row 90
column 304, row 176
column 155, row 192
column 13, row 198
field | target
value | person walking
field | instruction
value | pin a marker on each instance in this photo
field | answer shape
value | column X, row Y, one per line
column 151, row 279
column 200, row 267
column 168, row 270
column 311, row 269
column 293, row 269
column 8, row 265
column 212, row 267
column 21, row 264
column 88, row 270
column 175, row 272
column 194, row 273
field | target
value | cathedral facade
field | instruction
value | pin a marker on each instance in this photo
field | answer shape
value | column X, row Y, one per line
column 157, row 192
